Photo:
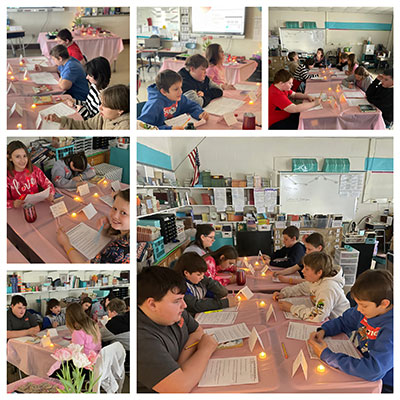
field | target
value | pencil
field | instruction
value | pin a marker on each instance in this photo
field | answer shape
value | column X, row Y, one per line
column 183, row 126
column 192, row 345
column 284, row 350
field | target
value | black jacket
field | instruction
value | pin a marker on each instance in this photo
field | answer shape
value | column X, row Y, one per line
column 288, row 256
column 382, row 98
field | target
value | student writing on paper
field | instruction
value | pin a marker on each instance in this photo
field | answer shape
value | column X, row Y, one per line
column 380, row 94
column 282, row 113
column 71, row 170
column 23, row 178
column 319, row 59
column 165, row 101
column 222, row 260
column 55, row 316
column 361, row 78
column 64, row 37
column 99, row 309
column 196, row 85
column 72, row 74
column 165, row 330
column 302, row 72
column 216, row 71
column 115, row 226
column 312, row 243
column 19, row 321
column 324, row 284
column 86, row 303
column 351, row 64
column 113, row 115
column 203, row 240
column 342, row 64
column 202, row 292
column 372, row 322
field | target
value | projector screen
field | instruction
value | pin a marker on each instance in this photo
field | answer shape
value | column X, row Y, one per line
column 217, row 20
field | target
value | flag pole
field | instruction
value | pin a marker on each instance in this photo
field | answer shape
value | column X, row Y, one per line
column 198, row 144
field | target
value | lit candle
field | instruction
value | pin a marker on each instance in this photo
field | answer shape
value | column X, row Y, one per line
column 73, row 215
column 256, row 264
column 325, row 78
column 262, row 273
column 33, row 105
column 262, row 355
column 239, row 298
column 84, row 33
column 329, row 89
column 19, row 126
column 95, row 195
column 21, row 63
column 9, row 72
column 105, row 182
column 262, row 303
column 77, row 198
column 12, row 77
column 258, row 83
column 320, row 369
column 251, row 102
column 51, row 344
column 245, row 259
column 25, row 78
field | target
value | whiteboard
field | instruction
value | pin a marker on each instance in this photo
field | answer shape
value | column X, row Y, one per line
column 302, row 40
column 378, row 186
column 315, row 193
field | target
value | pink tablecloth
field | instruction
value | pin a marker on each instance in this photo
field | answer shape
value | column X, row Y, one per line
column 14, row 256
column 234, row 73
column 91, row 46
column 29, row 116
column 344, row 118
column 33, row 379
column 34, row 359
column 275, row 371
column 40, row 236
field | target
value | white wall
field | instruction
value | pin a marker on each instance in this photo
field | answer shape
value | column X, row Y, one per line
column 238, row 156
column 337, row 38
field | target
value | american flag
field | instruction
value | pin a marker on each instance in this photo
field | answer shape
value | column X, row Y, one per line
column 195, row 161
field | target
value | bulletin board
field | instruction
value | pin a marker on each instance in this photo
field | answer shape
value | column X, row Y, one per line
column 316, row 193
column 302, row 40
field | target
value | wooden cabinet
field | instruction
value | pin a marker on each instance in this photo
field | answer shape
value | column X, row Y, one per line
column 174, row 255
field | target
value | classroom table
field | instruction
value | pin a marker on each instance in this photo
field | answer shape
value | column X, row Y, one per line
column 35, row 380
column 16, row 32
column 29, row 116
column 274, row 372
column 234, row 73
column 91, row 46
column 217, row 122
column 37, row 240
column 33, row 358
column 14, row 256
column 331, row 74
column 342, row 117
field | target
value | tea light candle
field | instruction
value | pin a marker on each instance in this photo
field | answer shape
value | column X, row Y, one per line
column 325, row 78
column 9, row 72
column 105, row 182
column 77, row 198
column 262, row 273
column 262, row 303
column 25, row 78
column 258, row 83
column 251, row 102
column 262, row 355
column 239, row 298
column 321, row 369
column 73, row 215
column 21, row 63
column 19, row 126
column 95, row 195
column 33, row 106
column 84, row 34
column 12, row 77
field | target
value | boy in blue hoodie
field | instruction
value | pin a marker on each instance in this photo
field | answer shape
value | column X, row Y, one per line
column 165, row 101
column 372, row 323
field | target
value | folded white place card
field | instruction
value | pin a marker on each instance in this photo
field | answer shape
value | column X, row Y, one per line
column 230, row 118
column 300, row 360
column 270, row 312
column 83, row 190
column 116, row 186
column 16, row 108
column 89, row 211
column 254, row 336
column 58, row 209
column 11, row 87
column 52, row 332
column 246, row 293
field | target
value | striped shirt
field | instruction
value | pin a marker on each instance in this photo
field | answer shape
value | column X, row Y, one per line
column 302, row 73
column 90, row 107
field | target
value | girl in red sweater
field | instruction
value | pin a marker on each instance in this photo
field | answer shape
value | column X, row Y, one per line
column 23, row 178
column 222, row 260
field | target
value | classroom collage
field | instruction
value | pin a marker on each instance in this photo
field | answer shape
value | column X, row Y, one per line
column 264, row 260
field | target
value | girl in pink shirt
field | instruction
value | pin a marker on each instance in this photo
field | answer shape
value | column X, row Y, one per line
column 85, row 331
column 216, row 70
column 23, row 178
column 352, row 64
column 222, row 260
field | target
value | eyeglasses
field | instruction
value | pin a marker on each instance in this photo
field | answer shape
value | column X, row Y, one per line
column 211, row 237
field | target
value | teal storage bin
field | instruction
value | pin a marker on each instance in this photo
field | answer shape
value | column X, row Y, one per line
column 309, row 25
column 220, row 241
column 120, row 158
column 292, row 24
column 149, row 222
column 304, row 165
column 336, row 165
column 158, row 248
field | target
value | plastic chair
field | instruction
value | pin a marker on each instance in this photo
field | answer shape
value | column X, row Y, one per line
column 110, row 368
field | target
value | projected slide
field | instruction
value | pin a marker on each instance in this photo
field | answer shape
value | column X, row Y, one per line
column 218, row 20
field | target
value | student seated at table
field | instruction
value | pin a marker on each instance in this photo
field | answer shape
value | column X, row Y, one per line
column 127, row 303
column 64, row 37
column 98, row 73
column 372, row 322
column 380, row 94
column 313, row 243
column 72, row 75
column 302, row 72
column 19, row 321
column 116, row 226
column 23, row 178
column 113, row 115
column 203, row 240
column 71, row 170
column 282, row 113
column 196, row 85
column 351, row 64
column 54, row 315
column 86, row 303
column 361, row 78
column 342, row 64
column 324, row 284
column 216, row 70
column 202, row 293
column 99, row 308
column 165, row 101
column 293, row 62
column 319, row 59
column 222, row 260
column 165, row 330
column 292, row 252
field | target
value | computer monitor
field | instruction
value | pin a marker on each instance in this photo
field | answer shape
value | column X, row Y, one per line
column 249, row 243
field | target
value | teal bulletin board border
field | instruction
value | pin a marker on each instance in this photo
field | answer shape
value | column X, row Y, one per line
column 147, row 155
column 378, row 164
column 358, row 26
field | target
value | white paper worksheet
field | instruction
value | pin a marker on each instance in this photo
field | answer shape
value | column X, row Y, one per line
column 300, row 331
column 184, row 119
column 38, row 197
column 242, row 86
column 83, row 238
column 216, row 318
column 223, row 105
column 60, row 109
column 44, row 78
column 40, row 60
column 337, row 346
column 230, row 371
column 355, row 94
column 228, row 333
column 357, row 102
